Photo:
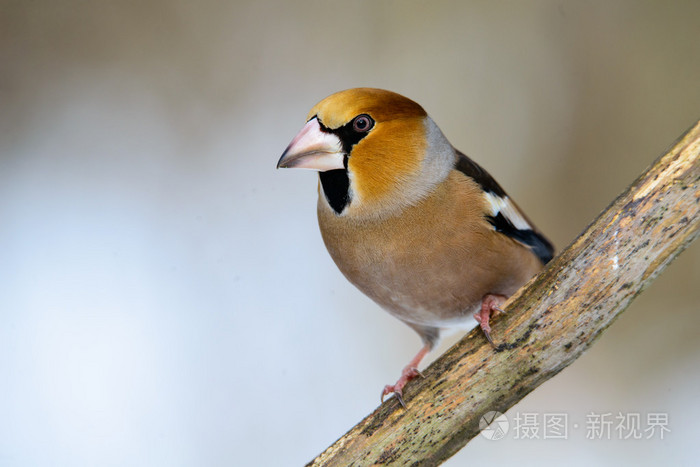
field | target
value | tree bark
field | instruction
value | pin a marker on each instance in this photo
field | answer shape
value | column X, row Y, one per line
column 550, row 322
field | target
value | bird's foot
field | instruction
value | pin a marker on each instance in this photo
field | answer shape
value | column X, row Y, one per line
column 490, row 304
column 409, row 372
column 407, row 375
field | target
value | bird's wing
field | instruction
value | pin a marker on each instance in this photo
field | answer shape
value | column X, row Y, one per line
column 504, row 215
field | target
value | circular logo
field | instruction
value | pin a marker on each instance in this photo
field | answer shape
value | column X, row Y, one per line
column 493, row 425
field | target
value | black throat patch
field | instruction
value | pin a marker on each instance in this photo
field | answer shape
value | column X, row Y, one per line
column 336, row 187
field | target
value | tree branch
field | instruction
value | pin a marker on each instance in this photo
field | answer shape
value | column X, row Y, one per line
column 551, row 321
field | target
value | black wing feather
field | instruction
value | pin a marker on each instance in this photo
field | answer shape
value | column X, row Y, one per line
column 539, row 245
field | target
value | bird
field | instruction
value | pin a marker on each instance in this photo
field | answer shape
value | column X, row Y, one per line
column 411, row 221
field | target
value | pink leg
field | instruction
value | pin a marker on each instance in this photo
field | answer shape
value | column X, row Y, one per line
column 409, row 372
column 490, row 304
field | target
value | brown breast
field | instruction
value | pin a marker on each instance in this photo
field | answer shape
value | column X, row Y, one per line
column 432, row 264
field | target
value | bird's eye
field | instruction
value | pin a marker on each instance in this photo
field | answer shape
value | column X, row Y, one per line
column 362, row 123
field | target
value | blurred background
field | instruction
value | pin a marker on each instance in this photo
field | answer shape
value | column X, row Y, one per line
column 165, row 295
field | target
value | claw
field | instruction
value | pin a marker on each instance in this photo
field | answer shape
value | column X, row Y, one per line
column 484, row 324
column 398, row 394
column 400, row 398
column 488, row 337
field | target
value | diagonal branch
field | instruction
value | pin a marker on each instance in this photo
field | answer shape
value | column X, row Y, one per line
column 551, row 321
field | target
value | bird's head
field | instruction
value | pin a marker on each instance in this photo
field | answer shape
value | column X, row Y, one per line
column 376, row 151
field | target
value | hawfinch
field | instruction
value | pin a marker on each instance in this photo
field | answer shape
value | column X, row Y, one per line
column 412, row 222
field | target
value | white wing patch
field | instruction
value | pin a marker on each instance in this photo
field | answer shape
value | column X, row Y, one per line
column 509, row 211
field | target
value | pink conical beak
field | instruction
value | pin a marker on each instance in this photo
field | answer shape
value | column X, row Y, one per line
column 314, row 149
